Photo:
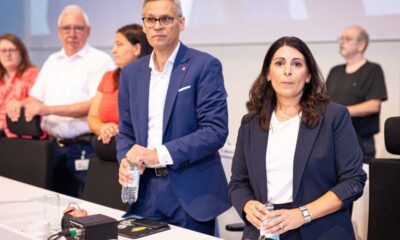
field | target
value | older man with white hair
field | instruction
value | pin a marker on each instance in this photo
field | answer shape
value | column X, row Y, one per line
column 62, row 94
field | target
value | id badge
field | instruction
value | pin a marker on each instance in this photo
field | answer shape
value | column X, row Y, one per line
column 82, row 164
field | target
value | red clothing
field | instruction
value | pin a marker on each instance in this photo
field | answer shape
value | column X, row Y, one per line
column 17, row 90
column 108, row 107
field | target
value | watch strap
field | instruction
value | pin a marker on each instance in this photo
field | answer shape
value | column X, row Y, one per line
column 306, row 214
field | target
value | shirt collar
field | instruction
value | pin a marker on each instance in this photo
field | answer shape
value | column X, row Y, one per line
column 171, row 59
column 81, row 53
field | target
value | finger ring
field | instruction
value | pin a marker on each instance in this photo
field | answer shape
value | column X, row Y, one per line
column 281, row 225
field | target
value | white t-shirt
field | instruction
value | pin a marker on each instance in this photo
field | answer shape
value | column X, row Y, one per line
column 282, row 140
column 67, row 80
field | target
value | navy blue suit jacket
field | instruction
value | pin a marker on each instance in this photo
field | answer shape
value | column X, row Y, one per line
column 195, row 126
column 327, row 158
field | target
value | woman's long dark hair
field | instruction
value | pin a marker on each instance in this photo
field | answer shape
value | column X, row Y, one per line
column 134, row 33
column 25, row 60
column 263, row 97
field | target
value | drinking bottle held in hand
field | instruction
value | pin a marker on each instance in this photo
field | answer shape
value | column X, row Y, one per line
column 129, row 194
column 263, row 235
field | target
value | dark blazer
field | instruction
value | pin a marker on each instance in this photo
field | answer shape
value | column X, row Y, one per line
column 195, row 126
column 327, row 158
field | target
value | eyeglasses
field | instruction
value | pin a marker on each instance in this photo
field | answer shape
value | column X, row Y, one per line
column 347, row 39
column 69, row 28
column 151, row 21
column 4, row 51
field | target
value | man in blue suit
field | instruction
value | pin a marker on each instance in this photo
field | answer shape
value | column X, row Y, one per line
column 173, row 119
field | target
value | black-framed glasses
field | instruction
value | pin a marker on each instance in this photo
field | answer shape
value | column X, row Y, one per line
column 151, row 21
column 69, row 28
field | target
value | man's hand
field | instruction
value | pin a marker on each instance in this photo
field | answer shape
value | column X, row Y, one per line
column 13, row 110
column 142, row 156
column 107, row 131
column 123, row 175
column 34, row 108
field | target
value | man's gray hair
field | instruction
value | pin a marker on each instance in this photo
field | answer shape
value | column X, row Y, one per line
column 73, row 8
column 177, row 6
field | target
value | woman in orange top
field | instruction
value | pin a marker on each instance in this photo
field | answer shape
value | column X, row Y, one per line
column 17, row 75
column 130, row 44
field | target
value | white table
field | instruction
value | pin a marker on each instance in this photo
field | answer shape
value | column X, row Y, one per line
column 21, row 204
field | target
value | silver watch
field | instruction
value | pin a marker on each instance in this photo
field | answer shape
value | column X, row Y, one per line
column 306, row 214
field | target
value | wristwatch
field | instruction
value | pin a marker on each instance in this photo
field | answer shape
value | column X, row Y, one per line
column 306, row 214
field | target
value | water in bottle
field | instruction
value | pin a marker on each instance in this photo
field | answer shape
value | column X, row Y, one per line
column 263, row 235
column 129, row 194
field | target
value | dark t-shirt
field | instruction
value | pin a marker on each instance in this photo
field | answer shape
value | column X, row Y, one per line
column 365, row 84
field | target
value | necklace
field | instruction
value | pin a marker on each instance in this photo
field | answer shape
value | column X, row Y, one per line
column 286, row 116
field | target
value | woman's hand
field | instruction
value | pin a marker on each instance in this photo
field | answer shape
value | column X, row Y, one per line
column 107, row 131
column 13, row 110
column 255, row 211
column 283, row 220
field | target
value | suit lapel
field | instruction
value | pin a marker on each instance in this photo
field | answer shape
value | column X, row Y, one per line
column 305, row 143
column 143, row 104
column 181, row 66
column 258, row 154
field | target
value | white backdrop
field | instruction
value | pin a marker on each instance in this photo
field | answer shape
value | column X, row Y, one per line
column 223, row 21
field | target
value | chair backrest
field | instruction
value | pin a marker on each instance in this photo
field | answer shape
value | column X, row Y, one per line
column 384, row 199
column 106, row 152
column 102, row 185
column 392, row 135
column 24, row 128
column 26, row 160
column 384, row 194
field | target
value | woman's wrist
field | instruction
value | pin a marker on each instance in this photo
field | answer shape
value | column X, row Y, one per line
column 306, row 214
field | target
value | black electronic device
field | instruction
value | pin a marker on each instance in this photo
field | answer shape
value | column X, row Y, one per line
column 24, row 128
column 136, row 228
column 94, row 227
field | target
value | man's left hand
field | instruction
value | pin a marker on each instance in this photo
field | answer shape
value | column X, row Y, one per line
column 142, row 156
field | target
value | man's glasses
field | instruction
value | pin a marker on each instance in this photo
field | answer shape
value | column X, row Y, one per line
column 347, row 39
column 151, row 21
column 77, row 29
column 4, row 51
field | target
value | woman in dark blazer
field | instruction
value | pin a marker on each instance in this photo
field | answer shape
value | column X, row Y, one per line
column 297, row 150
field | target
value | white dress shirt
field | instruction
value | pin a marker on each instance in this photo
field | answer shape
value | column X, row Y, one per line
column 159, row 82
column 67, row 80
column 282, row 140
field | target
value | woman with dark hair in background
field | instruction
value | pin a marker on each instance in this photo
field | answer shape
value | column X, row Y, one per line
column 17, row 75
column 130, row 44
column 297, row 150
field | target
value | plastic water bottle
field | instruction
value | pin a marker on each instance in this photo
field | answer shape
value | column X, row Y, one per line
column 129, row 194
column 263, row 235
